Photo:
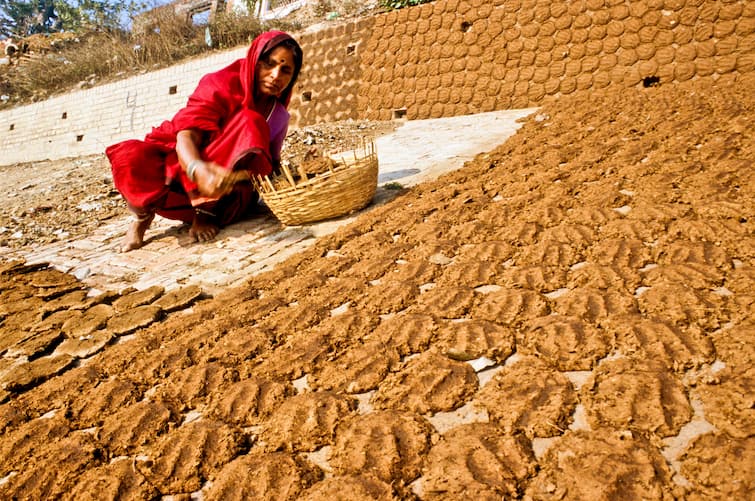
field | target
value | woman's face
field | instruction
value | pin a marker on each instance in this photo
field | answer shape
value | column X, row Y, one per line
column 275, row 71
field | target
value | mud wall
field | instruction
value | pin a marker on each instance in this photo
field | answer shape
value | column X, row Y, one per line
column 329, row 84
column 444, row 58
column 456, row 57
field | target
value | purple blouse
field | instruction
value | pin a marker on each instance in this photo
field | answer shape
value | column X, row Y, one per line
column 277, row 120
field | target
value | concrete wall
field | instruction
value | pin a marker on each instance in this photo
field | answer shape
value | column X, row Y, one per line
column 444, row 58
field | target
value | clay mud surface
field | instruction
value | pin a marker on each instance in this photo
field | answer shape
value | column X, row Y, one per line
column 568, row 316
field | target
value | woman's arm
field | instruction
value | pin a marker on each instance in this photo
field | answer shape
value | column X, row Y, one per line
column 187, row 147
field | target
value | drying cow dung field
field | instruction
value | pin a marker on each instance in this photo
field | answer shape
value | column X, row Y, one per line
column 568, row 316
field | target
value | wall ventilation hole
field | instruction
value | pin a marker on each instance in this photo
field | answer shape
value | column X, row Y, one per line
column 465, row 25
column 172, row 89
column 64, row 115
column 400, row 113
column 12, row 126
column 306, row 96
column 79, row 138
column 351, row 50
column 651, row 81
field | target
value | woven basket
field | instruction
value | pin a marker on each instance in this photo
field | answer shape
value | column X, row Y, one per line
column 346, row 188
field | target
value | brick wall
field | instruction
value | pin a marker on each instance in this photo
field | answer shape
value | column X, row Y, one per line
column 444, row 58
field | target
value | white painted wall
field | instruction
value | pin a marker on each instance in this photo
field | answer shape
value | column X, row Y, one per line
column 98, row 117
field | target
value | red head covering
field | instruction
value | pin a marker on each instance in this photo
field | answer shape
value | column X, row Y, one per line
column 261, row 46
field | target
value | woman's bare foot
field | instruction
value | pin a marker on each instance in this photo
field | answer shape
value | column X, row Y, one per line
column 135, row 234
column 203, row 229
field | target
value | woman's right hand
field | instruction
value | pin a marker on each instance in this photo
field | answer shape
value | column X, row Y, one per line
column 212, row 179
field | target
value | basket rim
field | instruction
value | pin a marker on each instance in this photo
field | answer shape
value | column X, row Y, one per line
column 318, row 179
column 322, row 177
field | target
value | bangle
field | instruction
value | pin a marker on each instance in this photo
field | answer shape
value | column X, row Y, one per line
column 191, row 168
column 197, row 210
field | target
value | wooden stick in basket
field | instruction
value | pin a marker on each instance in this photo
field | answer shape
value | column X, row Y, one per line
column 270, row 184
column 329, row 162
column 259, row 184
column 237, row 176
column 288, row 175
column 264, row 185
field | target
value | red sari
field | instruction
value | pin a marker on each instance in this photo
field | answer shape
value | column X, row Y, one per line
column 147, row 173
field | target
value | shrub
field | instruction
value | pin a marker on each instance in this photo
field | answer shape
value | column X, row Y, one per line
column 400, row 4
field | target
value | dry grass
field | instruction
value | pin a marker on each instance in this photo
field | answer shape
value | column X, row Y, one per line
column 62, row 62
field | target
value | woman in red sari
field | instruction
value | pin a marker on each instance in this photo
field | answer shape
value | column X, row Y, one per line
column 196, row 167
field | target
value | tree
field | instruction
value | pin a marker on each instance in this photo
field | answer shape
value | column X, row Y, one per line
column 16, row 17
column 19, row 18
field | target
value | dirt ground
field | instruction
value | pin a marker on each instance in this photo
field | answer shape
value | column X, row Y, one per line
column 568, row 316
